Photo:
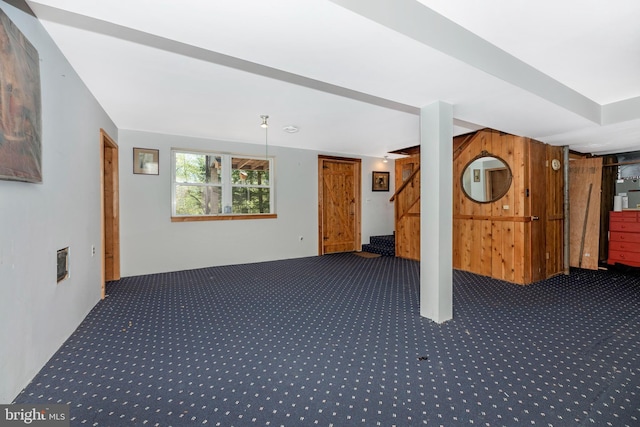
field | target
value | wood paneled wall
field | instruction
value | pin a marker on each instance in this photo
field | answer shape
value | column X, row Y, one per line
column 407, row 207
column 554, row 233
column 517, row 238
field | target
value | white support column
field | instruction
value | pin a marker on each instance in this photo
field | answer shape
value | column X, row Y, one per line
column 436, row 212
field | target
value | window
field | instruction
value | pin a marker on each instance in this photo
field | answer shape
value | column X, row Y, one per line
column 210, row 184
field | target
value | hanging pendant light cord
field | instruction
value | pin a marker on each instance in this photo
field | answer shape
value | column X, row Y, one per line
column 265, row 125
column 266, row 143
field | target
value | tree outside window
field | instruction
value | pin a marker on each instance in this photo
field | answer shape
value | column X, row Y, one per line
column 219, row 184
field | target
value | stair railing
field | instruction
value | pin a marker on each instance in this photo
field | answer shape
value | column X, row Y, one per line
column 404, row 184
column 402, row 206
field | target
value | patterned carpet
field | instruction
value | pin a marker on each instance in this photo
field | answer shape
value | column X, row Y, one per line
column 337, row 341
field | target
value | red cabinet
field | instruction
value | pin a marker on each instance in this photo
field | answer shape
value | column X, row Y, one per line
column 624, row 238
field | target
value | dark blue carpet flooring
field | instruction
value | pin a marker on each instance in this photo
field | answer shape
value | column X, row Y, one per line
column 337, row 341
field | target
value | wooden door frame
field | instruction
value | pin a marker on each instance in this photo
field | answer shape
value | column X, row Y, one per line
column 107, row 143
column 488, row 183
column 358, row 190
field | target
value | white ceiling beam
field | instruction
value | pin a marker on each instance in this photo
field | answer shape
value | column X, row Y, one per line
column 75, row 20
column 621, row 111
column 414, row 20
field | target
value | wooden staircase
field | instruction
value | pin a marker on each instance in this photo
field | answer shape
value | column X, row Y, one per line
column 407, row 207
column 407, row 198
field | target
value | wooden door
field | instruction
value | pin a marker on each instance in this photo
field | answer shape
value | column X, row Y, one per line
column 109, row 189
column 339, row 204
column 585, row 182
column 537, row 194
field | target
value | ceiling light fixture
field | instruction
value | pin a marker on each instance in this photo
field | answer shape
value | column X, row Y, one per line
column 265, row 126
column 386, row 159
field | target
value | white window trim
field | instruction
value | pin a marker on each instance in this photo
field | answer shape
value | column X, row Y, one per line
column 226, row 185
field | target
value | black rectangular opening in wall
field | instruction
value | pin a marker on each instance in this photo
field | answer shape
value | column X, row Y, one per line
column 63, row 264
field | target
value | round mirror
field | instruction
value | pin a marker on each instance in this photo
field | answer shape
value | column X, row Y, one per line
column 486, row 178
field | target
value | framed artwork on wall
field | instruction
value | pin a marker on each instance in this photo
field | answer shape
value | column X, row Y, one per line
column 20, row 106
column 380, row 181
column 145, row 161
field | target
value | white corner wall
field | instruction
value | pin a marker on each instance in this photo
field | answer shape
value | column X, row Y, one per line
column 377, row 211
column 36, row 313
column 151, row 243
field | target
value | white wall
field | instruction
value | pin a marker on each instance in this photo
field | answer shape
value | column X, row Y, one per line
column 631, row 188
column 36, row 313
column 377, row 211
column 151, row 243
column 36, row 220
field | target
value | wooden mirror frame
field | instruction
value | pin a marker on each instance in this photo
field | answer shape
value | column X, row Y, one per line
column 472, row 175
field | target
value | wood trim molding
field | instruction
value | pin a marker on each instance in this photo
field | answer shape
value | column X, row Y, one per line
column 222, row 217
column 107, row 143
column 494, row 218
column 633, row 162
column 338, row 159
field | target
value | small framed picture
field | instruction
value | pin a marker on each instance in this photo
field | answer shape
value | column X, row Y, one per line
column 380, row 181
column 476, row 175
column 145, row 161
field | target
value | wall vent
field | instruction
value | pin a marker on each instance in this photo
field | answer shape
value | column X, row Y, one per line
column 63, row 264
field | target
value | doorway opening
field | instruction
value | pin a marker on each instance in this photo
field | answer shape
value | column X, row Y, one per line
column 339, row 206
column 110, row 210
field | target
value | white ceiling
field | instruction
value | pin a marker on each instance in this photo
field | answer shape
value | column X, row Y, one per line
column 353, row 74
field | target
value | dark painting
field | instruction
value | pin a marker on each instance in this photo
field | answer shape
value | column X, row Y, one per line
column 20, row 123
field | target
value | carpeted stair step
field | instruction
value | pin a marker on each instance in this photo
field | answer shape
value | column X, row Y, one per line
column 383, row 245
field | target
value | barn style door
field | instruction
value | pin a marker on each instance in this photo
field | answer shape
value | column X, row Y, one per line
column 339, row 204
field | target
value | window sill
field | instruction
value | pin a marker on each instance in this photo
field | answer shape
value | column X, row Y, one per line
column 222, row 217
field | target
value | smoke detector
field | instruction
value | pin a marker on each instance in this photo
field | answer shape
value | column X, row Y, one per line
column 290, row 129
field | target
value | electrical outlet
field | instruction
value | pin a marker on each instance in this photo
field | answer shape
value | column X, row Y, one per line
column 93, row 250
